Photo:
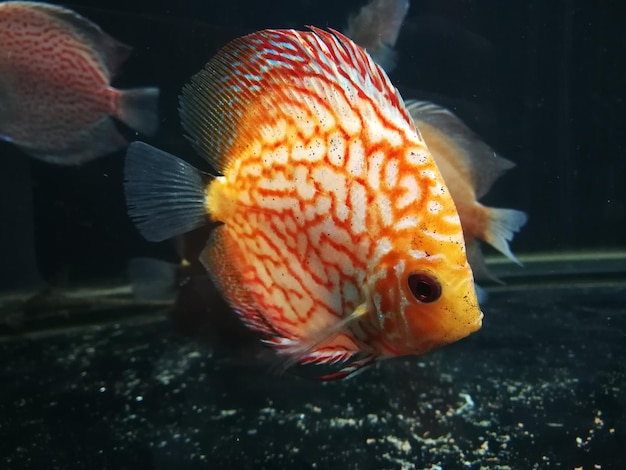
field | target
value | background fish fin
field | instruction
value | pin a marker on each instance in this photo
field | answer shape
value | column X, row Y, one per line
column 114, row 53
column 164, row 194
column 503, row 224
column 477, row 262
column 376, row 28
column 152, row 279
column 111, row 51
column 99, row 140
column 139, row 109
column 483, row 164
column 216, row 258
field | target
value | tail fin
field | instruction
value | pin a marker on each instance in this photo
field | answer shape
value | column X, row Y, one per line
column 139, row 109
column 503, row 224
column 164, row 194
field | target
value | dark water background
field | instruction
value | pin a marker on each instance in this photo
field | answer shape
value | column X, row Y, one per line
column 542, row 82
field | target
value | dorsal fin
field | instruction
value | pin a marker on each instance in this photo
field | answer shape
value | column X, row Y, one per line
column 484, row 165
column 110, row 51
column 224, row 105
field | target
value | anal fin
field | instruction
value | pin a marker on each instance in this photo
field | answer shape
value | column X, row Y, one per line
column 216, row 258
column 315, row 349
column 330, row 363
column 351, row 369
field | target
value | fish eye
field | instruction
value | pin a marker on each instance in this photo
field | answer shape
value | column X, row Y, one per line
column 424, row 288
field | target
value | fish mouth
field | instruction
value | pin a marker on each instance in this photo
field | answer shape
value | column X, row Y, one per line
column 479, row 322
column 458, row 322
column 443, row 332
column 471, row 324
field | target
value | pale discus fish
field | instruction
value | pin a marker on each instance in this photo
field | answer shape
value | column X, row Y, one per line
column 55, row 98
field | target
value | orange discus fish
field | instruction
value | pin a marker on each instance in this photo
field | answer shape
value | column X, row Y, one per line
column 338, row 239
column 469, row 167
column 55, row 98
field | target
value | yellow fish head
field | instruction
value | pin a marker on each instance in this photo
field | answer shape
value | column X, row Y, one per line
column 422, row 301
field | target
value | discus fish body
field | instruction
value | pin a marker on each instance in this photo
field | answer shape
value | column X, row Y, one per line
column 338, row 239
column 469, row 168
column 55, row 98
